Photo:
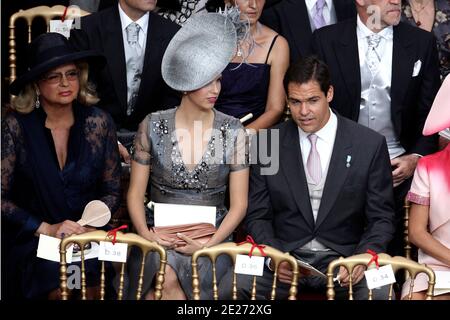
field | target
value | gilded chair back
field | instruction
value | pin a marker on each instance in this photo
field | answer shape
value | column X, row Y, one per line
column 407, row 206
column 232, row 250
column 398, row 263
column 131, row 239
column 408, row 247
column 47, row 13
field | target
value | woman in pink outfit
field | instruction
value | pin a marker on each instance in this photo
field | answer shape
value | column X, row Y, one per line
column 429, row 224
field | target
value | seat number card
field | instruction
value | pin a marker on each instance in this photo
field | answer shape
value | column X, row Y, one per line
column 112, row 252
column 61, row 27
column 380, row 277
column 249, row 265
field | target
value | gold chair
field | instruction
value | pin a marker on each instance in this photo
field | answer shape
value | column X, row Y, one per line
column 397, row 263
column 232, row 249
column 29, row 15
column 132, row 240
column 407, row 206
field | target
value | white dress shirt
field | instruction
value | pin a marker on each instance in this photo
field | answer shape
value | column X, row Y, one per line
column 142, row 22
column 385, row 47
column 329, row 13
column 324, row 143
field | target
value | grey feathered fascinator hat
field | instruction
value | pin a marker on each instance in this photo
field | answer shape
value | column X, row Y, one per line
column 202, row 48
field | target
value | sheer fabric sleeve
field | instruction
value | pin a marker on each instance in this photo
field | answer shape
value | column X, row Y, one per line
column 20, row 219
column 140, row 151
column 110, row 184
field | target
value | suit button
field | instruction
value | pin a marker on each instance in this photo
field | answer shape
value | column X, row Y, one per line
column 372, row 118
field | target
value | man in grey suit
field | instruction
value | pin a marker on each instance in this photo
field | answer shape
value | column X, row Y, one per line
column 332, row 195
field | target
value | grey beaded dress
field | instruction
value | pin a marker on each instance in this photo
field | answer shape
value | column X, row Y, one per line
column 172, row 181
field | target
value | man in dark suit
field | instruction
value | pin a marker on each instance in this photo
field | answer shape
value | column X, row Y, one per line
column 332, row 193
column 130, row 86
column 385, row 74
column 295, row 20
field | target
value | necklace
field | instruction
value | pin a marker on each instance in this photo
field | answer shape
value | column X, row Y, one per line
column 418, row 10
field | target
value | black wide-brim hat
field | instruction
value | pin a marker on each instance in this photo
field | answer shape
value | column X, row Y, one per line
column 48, row 51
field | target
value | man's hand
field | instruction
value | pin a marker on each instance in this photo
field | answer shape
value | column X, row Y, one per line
column 124, row 153
column 405, row 166
column 285, row 272
column 357, row 275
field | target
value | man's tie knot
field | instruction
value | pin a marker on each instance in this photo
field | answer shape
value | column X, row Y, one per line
column 312, row 138
column 320, row 4
column 373, row 40
column 318, row 19
column 313, row 162
column 133, row 33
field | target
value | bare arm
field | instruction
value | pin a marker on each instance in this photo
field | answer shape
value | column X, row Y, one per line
column 238, row 206
column 276, row 96
column 421, row 237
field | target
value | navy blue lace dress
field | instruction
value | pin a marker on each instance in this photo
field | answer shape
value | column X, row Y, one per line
column 36, row 190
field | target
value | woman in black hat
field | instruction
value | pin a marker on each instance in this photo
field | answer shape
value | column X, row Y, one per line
column 58, row 154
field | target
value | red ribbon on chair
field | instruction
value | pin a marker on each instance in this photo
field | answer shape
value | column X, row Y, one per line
column 64, row 15
column 374, row 258
column 250, row 240
column 113, row 233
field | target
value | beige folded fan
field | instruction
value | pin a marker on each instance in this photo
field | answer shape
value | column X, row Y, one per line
column 95, row 214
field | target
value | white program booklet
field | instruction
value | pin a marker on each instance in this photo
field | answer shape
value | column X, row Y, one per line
column 314, row 271
column 442, row 285
column 175, row 214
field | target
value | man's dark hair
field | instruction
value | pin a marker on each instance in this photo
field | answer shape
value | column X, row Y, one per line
column 307, row 69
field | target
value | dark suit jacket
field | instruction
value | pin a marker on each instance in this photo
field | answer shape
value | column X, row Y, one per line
column 357, row 207
column 411, row 97
column 290, row 19
column 102, row 31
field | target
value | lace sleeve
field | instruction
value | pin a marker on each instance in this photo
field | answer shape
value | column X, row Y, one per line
column 110, row 186
column 140, row 151
column 240, row 148
column 11, row 213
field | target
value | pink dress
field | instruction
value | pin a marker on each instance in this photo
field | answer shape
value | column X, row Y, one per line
column 431, row 186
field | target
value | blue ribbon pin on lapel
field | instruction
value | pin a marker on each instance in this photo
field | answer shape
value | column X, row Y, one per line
column 349, row 158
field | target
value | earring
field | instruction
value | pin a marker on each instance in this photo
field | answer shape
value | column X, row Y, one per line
column 184, row 92
column 37, row 104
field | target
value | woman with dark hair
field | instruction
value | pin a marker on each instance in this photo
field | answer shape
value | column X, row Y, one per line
column 253, row 81
column 190, row 155
column 58, row 154
column 429, row 216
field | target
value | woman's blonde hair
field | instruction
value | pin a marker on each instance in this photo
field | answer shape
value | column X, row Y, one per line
column 87, row 95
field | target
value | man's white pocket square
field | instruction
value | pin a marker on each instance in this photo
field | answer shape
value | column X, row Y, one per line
column 417, row 67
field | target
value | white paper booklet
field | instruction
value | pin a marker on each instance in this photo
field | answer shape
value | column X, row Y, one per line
column 314, row 271
column 175, row 214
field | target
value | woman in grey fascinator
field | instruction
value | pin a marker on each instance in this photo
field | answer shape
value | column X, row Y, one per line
column 190, row 155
